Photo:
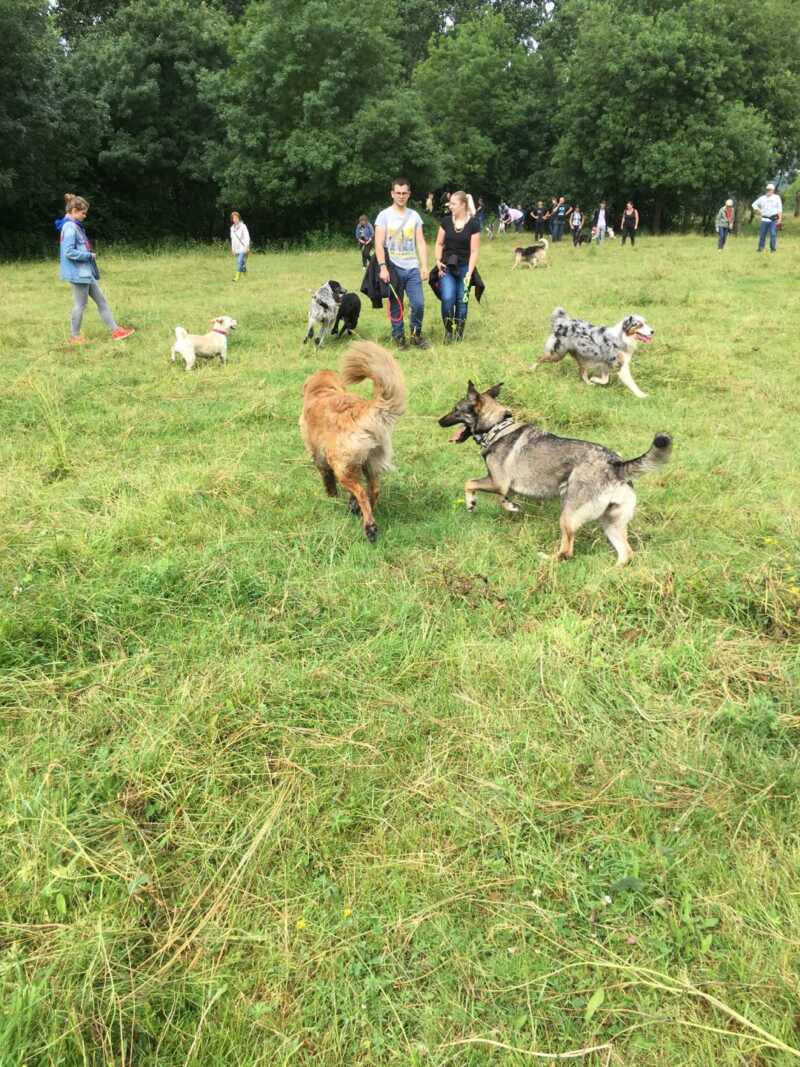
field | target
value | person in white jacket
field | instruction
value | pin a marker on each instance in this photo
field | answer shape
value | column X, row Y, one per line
column 240, row 244
column 770, row 207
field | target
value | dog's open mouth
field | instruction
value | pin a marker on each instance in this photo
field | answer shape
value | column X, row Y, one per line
column 461, row 435
column 646, row 337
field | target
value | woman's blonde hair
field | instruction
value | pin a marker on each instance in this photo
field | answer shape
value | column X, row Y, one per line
column 74, row 203
column 466, row 199
column 237, row 214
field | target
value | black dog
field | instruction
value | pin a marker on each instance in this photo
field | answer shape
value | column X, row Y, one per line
column 347, row 315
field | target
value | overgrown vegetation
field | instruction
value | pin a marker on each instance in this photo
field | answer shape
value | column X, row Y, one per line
column 273, row 795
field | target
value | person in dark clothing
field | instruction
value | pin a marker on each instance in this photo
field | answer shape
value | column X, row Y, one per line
column 458, row 245
column 365, row 236
column 560, row 214
column 575, row 225
column 539, row 215
column 629, row 223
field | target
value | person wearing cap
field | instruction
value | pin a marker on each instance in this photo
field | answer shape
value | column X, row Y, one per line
column 724, row 223
column 770, row 207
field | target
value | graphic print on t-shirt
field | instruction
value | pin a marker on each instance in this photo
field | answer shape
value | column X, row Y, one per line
column 401, row 236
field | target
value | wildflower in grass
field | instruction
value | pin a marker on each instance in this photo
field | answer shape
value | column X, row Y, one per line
column 347, row 912
column 300, row 924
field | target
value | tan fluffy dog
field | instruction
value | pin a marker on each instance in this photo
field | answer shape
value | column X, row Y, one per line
column 348, row 436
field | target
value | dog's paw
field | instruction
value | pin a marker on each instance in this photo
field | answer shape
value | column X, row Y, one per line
column 371, row 532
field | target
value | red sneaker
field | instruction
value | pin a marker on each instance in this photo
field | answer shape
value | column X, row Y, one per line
column 122, row 332
column 79, row 340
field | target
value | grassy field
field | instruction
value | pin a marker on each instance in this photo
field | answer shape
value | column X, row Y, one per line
column 273, row 795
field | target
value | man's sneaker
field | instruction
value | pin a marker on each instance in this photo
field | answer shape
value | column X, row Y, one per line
column 122, row 332
column 400, row 342
column 418, row 341
column 79, row 340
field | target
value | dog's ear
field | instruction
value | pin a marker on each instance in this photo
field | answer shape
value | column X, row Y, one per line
column 472, row 392
column 495, row 390
column 630, row 324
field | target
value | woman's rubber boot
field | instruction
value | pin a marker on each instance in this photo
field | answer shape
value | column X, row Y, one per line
column 460, row 324
column 449, row 332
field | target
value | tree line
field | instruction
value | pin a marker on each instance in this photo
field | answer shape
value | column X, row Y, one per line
column 168, row 113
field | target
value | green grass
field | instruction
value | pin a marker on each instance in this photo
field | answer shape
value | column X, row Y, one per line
column 273, row 795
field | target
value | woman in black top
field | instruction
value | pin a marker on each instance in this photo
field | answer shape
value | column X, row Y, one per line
column 629, row 223
column 458, row 244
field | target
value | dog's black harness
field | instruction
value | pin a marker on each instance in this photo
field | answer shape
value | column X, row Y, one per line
column 489, row 439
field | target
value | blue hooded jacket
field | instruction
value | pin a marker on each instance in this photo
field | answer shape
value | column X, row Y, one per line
column 77, row 263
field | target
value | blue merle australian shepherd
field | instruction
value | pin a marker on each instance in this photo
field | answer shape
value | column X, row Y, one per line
column 599, row 349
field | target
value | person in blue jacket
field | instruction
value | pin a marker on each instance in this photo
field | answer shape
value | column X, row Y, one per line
column 79, row 268
column 365, row 235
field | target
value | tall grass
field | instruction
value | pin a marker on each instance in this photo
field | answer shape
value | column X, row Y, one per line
column 273, row 795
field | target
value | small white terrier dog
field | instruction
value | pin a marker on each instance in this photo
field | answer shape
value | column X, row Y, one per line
column 208, row 345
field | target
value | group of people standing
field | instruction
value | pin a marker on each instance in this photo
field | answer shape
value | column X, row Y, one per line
column 560, row 216
column 398, row 244
column 769, row 206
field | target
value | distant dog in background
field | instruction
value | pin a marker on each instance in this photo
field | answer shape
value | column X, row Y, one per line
column 592, row 481
column 347, row 436
column 532, row 256
column 211, row 345
column 597, row 348
column 322, row 311
column 347, row 315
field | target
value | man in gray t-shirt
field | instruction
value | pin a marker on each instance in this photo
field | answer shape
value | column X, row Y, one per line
column 399, row 236
column 770, row 207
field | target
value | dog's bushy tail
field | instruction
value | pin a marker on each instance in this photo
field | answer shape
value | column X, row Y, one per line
column 365, row 359
column 657, row 454
column 558, row 313
column 545, row 244
column 180, row 333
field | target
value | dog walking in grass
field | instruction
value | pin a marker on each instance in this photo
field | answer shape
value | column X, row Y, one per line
column 598, row 349
column 348, row 437
column 593, row 482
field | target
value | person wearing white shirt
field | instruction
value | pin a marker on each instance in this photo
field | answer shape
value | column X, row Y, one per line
column 399, row 240
column 240, row 244
column 770, row 207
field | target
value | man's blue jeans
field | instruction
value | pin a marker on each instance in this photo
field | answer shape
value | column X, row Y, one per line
column 768, row 226
column 451, row 287
column 241, row 262
column 408, row 281
column 558, row 229
column 722, row 236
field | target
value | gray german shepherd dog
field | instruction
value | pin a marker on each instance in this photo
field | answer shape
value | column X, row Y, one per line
column 593, row 481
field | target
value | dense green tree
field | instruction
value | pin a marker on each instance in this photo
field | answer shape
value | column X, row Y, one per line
column 479, row 87
column 657, row 116
column 29, row 114
column 317, row 111
column 143, row 68
column 75, row 17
